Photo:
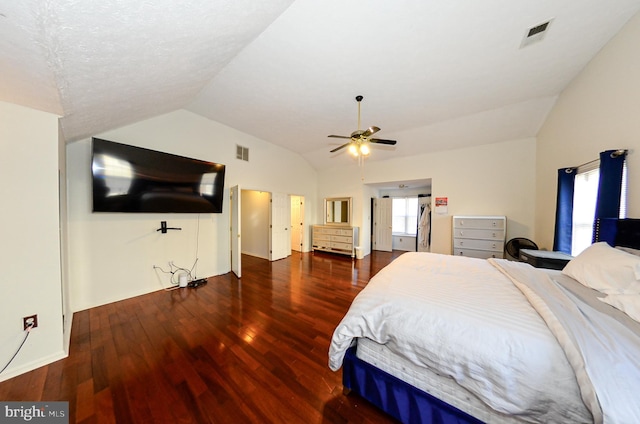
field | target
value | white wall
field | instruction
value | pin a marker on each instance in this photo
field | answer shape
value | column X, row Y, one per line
column 112, row 255
column 406, row 243
column 599, row 110
column 29, row 230
column 494, row 179
column 347, row 182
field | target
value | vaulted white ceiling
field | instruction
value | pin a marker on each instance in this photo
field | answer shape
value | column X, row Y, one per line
column 434, row 74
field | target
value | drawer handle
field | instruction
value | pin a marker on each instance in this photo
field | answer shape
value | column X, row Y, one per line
column 461, row 243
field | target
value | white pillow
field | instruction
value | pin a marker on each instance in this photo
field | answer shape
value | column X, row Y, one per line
column 627, row 303
column 608, row 270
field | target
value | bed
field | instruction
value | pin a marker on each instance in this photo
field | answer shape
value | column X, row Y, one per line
column 445, row 339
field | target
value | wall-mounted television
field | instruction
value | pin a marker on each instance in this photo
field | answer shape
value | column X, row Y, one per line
column 134, row 179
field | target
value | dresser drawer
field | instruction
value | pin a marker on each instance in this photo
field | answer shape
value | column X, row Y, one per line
column 344, row 232
column 486, row 223
column 342, row 239
column 341, row 246
column 327, row 231
column 472, row 233
column 320, row 236
column 494, row 246
column 480, row 254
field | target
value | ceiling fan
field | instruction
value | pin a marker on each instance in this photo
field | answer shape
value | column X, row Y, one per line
column 359, row 140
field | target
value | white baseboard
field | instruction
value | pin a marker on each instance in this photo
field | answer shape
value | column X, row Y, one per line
column 14, row 372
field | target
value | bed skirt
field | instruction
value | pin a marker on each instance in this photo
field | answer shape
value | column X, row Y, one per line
column 397, row 398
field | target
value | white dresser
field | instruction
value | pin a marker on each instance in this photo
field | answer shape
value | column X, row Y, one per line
column 331, row 238
column 479, row 236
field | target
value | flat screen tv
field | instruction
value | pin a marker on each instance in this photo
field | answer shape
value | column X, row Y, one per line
column 134, row 179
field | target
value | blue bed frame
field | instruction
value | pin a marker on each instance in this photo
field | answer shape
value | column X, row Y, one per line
column 412, row 405
column 397, row 398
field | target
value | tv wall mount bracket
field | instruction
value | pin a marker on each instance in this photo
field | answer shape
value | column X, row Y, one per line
column 163, row 227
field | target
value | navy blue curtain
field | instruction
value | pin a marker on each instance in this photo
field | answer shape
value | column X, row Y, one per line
column 609, row 185
column 564, row 210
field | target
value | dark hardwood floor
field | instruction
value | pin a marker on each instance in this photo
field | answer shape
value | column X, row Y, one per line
column 248, row 350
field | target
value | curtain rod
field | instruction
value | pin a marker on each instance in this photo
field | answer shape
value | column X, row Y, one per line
column 614, row 154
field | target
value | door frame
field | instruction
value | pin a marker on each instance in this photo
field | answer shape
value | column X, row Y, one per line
column 235, row 205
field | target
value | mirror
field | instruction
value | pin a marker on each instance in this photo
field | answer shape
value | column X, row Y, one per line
column 337, row 211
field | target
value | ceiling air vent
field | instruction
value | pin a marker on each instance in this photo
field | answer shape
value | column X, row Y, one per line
column 535, row 34
column 242, row 153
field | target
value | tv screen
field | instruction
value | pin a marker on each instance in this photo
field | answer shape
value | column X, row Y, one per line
column 134, row 179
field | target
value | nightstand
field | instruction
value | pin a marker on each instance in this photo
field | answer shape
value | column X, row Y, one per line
column 545, row 258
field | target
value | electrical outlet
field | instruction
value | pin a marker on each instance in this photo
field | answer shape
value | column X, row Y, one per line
column 30, row 321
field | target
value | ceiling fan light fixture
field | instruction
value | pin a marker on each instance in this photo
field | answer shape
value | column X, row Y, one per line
column 364, row 149
column 353, row 149
column 359, row 144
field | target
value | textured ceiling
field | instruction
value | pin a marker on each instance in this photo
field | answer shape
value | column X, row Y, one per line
column 434, row 74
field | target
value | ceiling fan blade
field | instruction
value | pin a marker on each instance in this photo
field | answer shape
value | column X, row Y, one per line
column 370, row 131
column 383, row 141
column 341, row 147
column 339, row 136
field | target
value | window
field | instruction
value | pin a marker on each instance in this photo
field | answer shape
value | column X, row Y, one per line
column 405, row 215
column 584, row 205
column 584, row 208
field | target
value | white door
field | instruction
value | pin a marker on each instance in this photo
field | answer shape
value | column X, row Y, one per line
column 297, row 222
column 382, row 224
column 279, row 221
column 235, row 231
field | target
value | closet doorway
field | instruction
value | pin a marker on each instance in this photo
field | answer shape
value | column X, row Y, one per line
column 401, row 216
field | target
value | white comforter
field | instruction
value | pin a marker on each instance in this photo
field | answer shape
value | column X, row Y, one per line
column 602, row 345
column 464, row 318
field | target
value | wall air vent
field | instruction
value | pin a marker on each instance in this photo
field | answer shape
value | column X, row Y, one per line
column 535, row 34
column 242, row 153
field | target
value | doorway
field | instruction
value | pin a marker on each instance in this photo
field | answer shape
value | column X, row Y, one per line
column 408, row 228
column 272, row 225
column 297, row 223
